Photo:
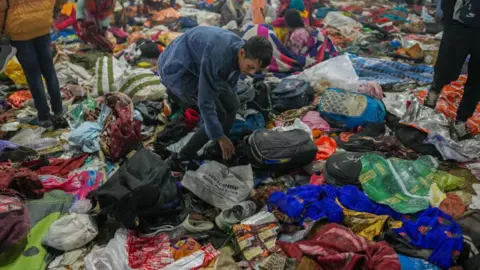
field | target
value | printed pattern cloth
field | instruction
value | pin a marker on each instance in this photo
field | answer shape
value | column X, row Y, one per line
column 149, row 253
column 286, row 62
column 450, row 99
column 337, row 247
column 389, row 73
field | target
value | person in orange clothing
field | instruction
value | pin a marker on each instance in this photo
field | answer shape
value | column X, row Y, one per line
column 26, row 26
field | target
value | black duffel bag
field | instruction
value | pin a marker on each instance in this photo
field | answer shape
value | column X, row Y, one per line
column 141, row 194
column 292, row 94
column 279, row 151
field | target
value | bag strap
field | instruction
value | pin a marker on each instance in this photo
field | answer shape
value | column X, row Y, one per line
column 5, row 17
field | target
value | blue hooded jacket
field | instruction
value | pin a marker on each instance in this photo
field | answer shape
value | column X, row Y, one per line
column 195, row 64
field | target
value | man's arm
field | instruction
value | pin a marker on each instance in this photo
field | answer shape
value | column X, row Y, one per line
column 207, row 95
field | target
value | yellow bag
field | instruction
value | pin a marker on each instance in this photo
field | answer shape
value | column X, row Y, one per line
column 14, row 71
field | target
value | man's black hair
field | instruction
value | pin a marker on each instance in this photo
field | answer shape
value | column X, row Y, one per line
column 259, row 48
column 293, row 19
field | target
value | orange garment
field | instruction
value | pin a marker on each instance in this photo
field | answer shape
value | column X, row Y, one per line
column 19, row 97
column 258, row 11
column 184, row 248
column 326, row 147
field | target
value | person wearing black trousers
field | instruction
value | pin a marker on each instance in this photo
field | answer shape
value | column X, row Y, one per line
column 461, row 37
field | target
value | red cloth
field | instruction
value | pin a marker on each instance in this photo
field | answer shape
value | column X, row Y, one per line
column 62, row 167
column 93, row 35
column 149, row 253
column 22, row 180
column 100, row 9
column 191, row 118
column 337, row 247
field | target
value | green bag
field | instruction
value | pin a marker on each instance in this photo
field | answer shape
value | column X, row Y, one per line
column 401, row 184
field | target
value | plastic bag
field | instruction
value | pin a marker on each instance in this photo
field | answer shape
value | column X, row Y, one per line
column 14, row 71
column 297, row 124
column 436, row 195
column 336, row 19
column 107, row 71
column 140, row 84
column 113, row 257
column 71, row 232
column 27, row 135
column 219, row 185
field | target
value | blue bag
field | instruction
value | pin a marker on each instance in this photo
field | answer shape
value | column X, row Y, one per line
column 245, row 126
column 350, row 109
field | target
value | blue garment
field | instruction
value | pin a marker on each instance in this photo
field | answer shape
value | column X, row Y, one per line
column 87, row 136
column 435, row 230
column 306, row 203
column 194, row 65
column 354, row 199
column 408, row 263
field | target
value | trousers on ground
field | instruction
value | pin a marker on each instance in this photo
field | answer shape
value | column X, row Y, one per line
column 227, row 105
column 457, row 43
column 35, row 57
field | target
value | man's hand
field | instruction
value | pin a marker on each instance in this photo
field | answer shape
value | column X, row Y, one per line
column 228, row 149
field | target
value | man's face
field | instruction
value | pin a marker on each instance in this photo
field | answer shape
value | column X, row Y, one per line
column 248, row 66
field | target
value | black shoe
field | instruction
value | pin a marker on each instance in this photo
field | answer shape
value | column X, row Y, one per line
column 431, row 99
column 59, row 122
column 460, row 131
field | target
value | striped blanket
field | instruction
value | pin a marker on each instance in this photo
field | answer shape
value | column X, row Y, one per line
column 284, row 62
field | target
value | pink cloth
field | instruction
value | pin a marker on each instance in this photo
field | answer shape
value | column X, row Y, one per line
column 79, row 183
column 313, row 120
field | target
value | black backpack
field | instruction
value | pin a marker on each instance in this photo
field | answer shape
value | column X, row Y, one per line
column 271, row 150
column 291, row 94
column 141, row 194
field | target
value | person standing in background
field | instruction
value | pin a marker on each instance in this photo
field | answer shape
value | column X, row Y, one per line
column 27, row 24
column 461, row 37
column 93, row 17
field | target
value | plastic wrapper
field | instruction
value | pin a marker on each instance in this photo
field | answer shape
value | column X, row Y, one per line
column 437, row 125
column 71, row 232
column 14, row 71
column 27, row 135
column 113, row 257
column 297, row 124
column 337, row 20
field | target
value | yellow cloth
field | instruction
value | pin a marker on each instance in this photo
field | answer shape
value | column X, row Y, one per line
column 436, row 195
column 366, row 224
column 27, row 19
column 67, row 9
column 14, row 71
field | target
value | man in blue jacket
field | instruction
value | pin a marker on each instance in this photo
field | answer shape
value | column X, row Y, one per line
column 201, row 69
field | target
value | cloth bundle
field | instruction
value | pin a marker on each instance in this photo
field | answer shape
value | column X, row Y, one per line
column 120, row 133
column 285, row 62
column 22, row 180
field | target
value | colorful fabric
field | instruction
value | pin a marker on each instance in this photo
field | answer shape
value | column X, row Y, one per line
column 31, row 254
column 450, row 99
column 121, row 133
column 22, row 180
column 184, row 248
column 148, row 253
column 415, row 263
column 388, row 73
column 18, row 98
column 337, row 247
column 13, row 219
column 78, row 183
column 307, row 203
column 299, row 40
column 435, row 230
column 256, row 242
column 284, row 61
column 366, row 224
column 101, row 9
column 62, row 167
column 401, row 184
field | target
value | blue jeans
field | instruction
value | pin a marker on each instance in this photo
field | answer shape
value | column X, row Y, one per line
column 35, row 56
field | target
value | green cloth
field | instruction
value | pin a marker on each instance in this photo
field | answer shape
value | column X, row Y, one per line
column 448, row 182
column 401, row 184
column 30, row 254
